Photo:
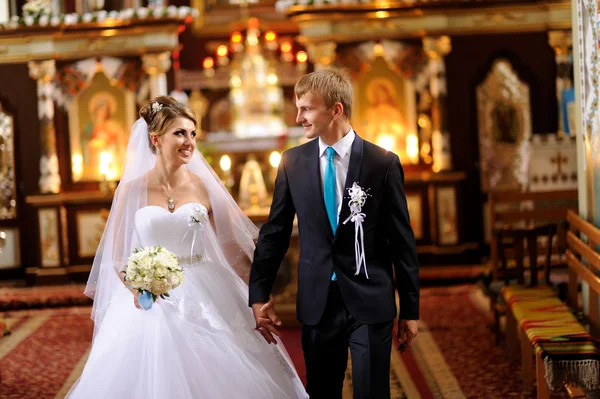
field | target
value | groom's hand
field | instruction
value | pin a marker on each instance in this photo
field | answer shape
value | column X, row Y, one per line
column 267, row 322
column 407, row 332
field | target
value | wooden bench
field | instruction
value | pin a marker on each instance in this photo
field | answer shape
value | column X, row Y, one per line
column 566, row 351
column 515, row 209
column 524, row 243
column 577, row 252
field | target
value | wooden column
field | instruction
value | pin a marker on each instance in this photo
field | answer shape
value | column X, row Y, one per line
column 436, row 48
column 43, row 72
column 157, row 65
column 561, row 42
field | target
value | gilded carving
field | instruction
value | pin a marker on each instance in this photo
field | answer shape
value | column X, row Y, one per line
column 8, row 203
column 43, row 72
column 437, row 47
column 500, row 18
column 504, row 121
column 322, row 54
column 157, row 65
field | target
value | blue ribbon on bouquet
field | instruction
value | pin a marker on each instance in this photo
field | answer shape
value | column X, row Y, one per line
column 145, row 300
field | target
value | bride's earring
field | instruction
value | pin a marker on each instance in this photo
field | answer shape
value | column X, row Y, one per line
column 156, row 143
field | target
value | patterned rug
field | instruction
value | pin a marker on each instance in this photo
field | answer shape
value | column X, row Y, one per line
column 454, row 355
column 38, row 297
column 12, row 298
column 459, row 321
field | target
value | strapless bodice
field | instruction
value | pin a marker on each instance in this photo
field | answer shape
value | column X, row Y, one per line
column 175, row 231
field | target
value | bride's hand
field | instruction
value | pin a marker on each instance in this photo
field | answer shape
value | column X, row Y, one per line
column 136, row 295
column 267, row 322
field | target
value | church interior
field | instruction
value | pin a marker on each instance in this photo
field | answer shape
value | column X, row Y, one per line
column 491, row 105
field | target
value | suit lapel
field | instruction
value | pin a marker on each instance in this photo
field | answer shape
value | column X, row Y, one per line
column 353, row 176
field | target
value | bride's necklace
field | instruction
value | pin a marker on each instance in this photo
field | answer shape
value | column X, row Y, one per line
column 169, row 196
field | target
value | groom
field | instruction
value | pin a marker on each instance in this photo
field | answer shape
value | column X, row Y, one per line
column 338, row 305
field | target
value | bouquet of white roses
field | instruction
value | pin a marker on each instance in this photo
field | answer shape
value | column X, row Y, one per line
column 153, row 271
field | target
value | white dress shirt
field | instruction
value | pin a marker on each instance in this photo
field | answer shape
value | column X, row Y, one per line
column 341, row 159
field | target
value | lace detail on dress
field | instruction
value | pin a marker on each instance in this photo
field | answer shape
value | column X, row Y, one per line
column 188, row 308
column 244, row 335
column 206, row 314
column 190, row 260
column 285, row 366
column 210, row 314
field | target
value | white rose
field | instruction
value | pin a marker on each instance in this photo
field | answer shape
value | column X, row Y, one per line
column 183, row 11
column 70, row 19
column 158, row 12
column 172, row 11
column 142, row 13
column 127, row 13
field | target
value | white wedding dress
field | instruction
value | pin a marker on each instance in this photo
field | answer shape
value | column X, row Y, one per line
column 198, row 343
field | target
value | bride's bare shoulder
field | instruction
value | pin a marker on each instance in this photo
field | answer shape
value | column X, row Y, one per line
column 197, row 181
column 200, row 189
column 134, row 183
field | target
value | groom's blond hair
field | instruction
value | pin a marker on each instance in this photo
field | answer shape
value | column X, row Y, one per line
column 332, row 85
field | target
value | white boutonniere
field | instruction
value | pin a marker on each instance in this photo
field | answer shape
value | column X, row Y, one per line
column 358, row 198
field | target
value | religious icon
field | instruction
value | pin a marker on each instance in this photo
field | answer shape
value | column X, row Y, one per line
column 506, row 123
column 383, row 116
column 383, row 107
column 102, row 132
column 386, row 106
column 99, row 120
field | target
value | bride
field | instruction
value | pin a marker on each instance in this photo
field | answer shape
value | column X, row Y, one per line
column 200, row 342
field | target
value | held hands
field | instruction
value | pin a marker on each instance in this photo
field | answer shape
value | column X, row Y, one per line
column 407, row 332
column 267, row 322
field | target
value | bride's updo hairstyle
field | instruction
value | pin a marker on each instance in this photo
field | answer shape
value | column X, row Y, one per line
column 161, row 112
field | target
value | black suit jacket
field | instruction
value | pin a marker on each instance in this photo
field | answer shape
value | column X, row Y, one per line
column 388, row 237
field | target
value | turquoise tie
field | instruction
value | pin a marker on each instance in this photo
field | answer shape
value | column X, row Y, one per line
column 329, row 193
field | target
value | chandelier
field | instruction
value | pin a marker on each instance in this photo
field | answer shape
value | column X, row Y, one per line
column 255, row 64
